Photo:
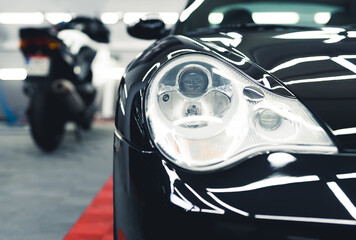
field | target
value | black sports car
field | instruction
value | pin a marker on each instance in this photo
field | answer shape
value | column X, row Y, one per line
column 240, row 123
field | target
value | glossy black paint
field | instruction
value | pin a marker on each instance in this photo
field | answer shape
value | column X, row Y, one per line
column 146, row 184
column 299, row 204
column 312, row 64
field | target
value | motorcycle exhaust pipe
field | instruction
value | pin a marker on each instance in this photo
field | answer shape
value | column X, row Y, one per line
column 67, row 90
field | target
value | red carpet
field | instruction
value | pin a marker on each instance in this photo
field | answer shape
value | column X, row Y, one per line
column 96, row 222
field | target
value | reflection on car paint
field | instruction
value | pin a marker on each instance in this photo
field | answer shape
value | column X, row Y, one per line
column 227, row 206
column 296, row 61
column 189, row 10
column 322, row 79
column 346, row 176
column 331, row 34
column 280, row 160
column 214, row 209
column 181, row 201
column 343, row 198
column 180, row 51
column 272, row 181
column 305, row 219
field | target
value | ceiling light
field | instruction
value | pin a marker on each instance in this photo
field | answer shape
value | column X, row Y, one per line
column 275, row 17
column 21, row 18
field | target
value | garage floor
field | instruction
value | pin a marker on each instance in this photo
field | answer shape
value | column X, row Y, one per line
column 42, row 195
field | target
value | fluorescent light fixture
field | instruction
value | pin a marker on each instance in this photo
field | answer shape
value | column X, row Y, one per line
column 169, row 18
column 111, row 17
column 215, row 18
column 9, row 74
column 21, row 18
column 133, row 17
column 322, row 17
column 57, row 17
column 275, row 17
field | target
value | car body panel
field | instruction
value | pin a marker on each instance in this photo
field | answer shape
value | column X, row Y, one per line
column 315, row 65
column 320, row 75
column 255, row 195
column 302, row 196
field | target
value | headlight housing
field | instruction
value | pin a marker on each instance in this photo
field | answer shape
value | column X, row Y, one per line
column 203, row 114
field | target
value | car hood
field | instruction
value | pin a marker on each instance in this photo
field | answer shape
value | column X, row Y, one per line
column 316, row 65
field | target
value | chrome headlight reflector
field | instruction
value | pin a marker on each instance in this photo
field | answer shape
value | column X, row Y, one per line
column 202, row 114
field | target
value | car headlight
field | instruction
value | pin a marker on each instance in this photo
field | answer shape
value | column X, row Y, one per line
column 202, row 114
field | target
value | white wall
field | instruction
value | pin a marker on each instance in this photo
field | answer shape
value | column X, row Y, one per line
column 90, row 6
column 122, row 47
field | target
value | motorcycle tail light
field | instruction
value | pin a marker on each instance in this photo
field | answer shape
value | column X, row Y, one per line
column 45, row 43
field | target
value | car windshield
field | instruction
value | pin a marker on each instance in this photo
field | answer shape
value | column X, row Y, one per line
column 222, row 13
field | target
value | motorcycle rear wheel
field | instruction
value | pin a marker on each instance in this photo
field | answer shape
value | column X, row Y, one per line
column 46, row 122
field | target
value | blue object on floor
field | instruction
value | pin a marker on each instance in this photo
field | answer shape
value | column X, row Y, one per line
column 11, row 118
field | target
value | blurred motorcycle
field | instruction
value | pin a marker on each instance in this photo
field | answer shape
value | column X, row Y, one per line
column 59, row 76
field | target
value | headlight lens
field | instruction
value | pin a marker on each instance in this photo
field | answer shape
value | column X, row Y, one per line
column 202, row 114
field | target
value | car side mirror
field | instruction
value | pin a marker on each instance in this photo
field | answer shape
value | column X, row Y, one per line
column 148, row 29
